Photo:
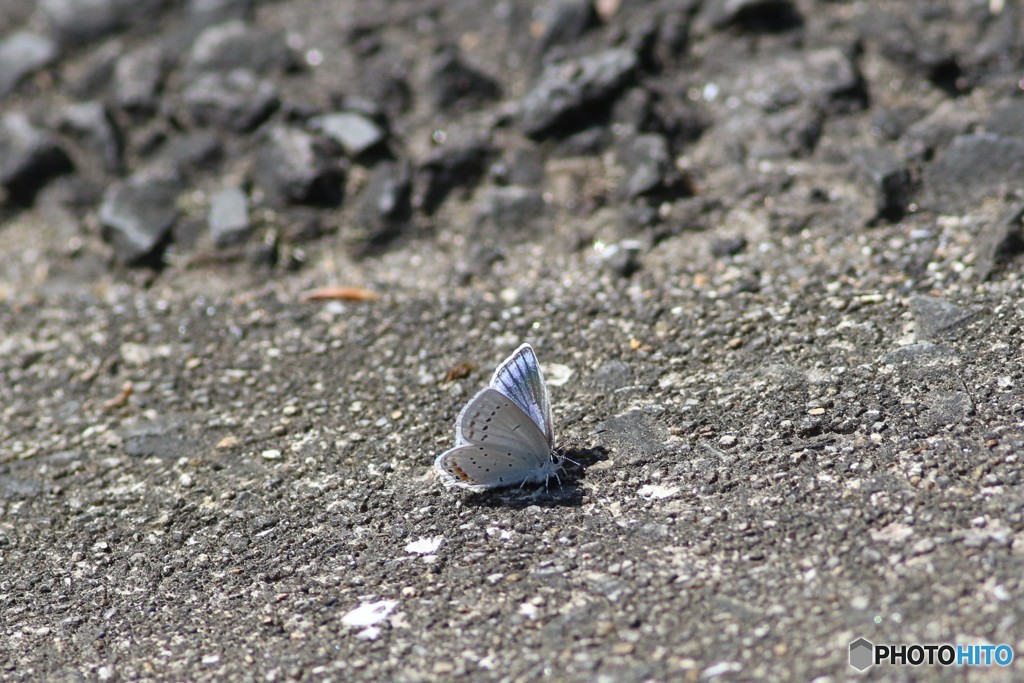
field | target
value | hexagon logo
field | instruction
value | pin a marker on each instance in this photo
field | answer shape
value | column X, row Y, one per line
column 862, row 654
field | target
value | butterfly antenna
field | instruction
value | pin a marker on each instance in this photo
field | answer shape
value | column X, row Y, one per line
column 562, row 456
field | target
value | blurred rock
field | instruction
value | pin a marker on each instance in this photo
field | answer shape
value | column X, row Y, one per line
column 999, row 243
column 1007, row 118
column 892, row 123
column 562, row 23
column 29, row 158
column 757, row 16
column 936, row 130
column 138, row 79
column 22, row 53
column 564, row 96
column 238, row 45
column 519, row 166
column 384, row 205
column 137, row 215
column 353, row 131
column 229, row 217
column 971, row 168
column 728, row 246
column 236, row 100
column 826, row 78
column 622, row 259
column 91, row 124
column 292, row 169
column 890, row 182
column 935, row 315
column 511, row 209
column 76, row 22
column 214, row 12
column 647, row 162
column 384, row 79
column 447, row 168
column 190, row 154
column 917, row 51
column 453, row 83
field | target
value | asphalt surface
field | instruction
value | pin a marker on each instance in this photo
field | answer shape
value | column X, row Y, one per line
column 769, row 256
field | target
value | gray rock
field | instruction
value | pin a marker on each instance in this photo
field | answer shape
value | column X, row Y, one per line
column 137, row 215
column 999, row 243
column 728, row 246
column 971, row 168
column 623, row 259
column 754, row 135
column 91, row 76
column 762, row 16
column 453, row 83
column 190, row 154
column 197, row 18
column 565, row 92
column 138, row 78
column 22, row 53
column 563, row 22
column 918, row 51
column 353, row 131
column 384, row 79
column 213, row 12
column 384, row 205
column 936, row 130
column 1007, row 118
column 890, row 182
column 292, row 169
column 446, row 168
column 892, row 123
column 237, row 45
column 29, row 158
column 83, row 21
column 92, row 125
column 590, row 141
column 647, row 162
column 935, row 315
column 519, row 166
column 229, row 217
column 512, row 208
column 236, row 100
column 826, row 78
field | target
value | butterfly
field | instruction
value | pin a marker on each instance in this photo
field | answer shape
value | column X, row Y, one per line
column 503, row 436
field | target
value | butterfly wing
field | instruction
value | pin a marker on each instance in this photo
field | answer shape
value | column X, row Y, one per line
column 485, row 467
column 493, row 419
column 520, row 379
column 497, row 445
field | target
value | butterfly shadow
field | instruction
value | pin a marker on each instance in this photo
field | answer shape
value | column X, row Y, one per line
column 567, row 493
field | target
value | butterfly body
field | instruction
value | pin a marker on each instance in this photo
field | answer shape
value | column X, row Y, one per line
column 504, row 435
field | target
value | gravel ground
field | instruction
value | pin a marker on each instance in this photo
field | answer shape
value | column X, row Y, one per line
column 769, row 253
